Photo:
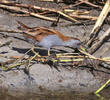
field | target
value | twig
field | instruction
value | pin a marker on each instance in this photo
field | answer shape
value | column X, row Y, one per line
column 5, row 44
column 26, row 12
column 93, row 57
column 91, row 4
column 76, row 12
column 47, row 0
column 12, row 66
column 102, row 87
column 0, row 43
column 20, row 15
column 100, row 20
column 52, row 1
column 83, row 17
column 77, row 4
column 10, row 31
column 102, row 39
column 69, row 17
column 39, row 8
column 102, row 16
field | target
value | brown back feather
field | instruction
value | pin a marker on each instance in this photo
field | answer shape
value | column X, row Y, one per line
column 38, row 33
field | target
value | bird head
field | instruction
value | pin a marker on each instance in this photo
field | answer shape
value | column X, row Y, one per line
column 76, row 43
column 73, row 42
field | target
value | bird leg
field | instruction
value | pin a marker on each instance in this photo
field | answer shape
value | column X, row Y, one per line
column 48, row 52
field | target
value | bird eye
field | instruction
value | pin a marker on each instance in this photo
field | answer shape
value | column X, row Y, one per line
column 78, row 43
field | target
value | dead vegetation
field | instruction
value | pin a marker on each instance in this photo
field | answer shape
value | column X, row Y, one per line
column 93, row 43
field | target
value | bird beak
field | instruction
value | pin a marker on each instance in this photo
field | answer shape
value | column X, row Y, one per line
column 83, row 47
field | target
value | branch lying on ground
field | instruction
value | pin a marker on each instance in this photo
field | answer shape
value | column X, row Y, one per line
column 63, row 12
column 71, row 1
column 79, row 14
column 6, row 44
column 89, row 3
column 56, row 1
column 20, row 8
column 101, row 40
column 58, row 58
column 10, row 31
column 16, row 7
column 95, row 31
column 83, row 17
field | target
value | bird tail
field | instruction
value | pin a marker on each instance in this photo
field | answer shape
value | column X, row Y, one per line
column 25, row 29
column 23, row 26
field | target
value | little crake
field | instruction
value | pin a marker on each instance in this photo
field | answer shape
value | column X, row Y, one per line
column 48, row 38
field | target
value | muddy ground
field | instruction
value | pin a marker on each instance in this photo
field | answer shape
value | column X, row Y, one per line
column 43, row 77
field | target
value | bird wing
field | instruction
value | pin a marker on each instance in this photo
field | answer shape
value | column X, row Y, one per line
column 45, row 32
column 38, row 33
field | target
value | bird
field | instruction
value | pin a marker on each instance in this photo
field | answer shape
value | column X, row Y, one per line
column 48, row 38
